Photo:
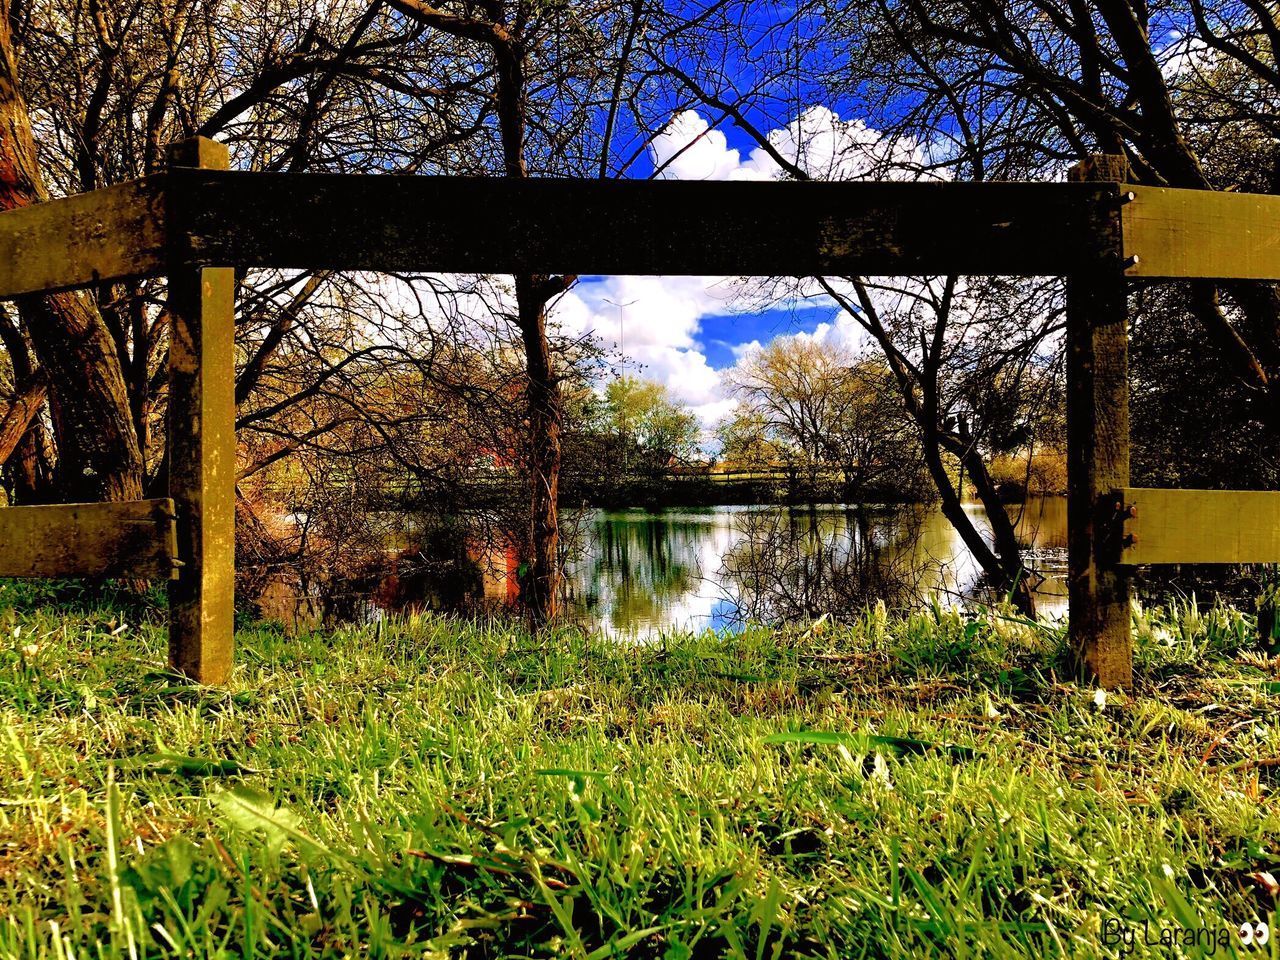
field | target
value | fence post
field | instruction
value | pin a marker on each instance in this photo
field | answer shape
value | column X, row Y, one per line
column 1098, row 443
column 202, row 450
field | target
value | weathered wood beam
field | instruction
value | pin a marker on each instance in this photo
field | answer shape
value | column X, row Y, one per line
column 202, row 453
column 108, row 234
column 491, row 225
column 495, row 225
column 1098, row 452
column 1200, row 526
column 1201, row 233
column 133, row 538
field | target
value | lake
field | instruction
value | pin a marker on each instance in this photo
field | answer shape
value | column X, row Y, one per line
column 635, row 573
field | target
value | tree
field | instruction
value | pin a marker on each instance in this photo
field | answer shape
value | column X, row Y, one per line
column 954, row 353
column 99, row 456
column 875, row 447
column 511, row 37
column 981, row 90
column 512, row 89
column 800, row 389
column 103, row 87
column 746, row 443
column 817, row 407
column 1028, row 430
column 1191, row 426
column 1185, row 91
column 650, row 428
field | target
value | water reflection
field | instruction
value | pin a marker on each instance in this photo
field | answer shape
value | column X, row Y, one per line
column 639, row 572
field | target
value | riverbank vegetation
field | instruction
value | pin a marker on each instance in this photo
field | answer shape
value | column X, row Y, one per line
column 894, row 787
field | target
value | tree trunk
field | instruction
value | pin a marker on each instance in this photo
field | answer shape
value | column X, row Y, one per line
column 1013, row 575
column 16, row 420
column 542, row 585
column 28, row 471
column 1003, row 568
column 540, row 588
column 98, row 456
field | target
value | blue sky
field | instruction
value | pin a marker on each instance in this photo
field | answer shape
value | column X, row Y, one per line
column 720, row 334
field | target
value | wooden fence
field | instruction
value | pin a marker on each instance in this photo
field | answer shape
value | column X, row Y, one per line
column 197, row 221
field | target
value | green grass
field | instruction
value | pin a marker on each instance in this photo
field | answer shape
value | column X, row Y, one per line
column 888, row 787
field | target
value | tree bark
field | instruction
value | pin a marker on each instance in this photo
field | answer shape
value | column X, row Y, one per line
column 542, row 593
column 28, row 471
column 98, row 456
column 16, row 420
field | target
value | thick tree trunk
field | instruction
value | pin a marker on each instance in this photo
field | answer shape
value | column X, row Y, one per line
column 29, row 471
column 98, row 457
column 542, row 585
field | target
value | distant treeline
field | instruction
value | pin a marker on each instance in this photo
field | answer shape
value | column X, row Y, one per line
column 707, row 489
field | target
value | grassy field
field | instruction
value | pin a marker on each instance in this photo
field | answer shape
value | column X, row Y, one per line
column 888, row 787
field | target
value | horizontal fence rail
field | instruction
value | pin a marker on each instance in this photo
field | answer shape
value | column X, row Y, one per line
column 493, row 225
column 109, row 234
column 133, row 538
column 1201, row 233
column 203, row 217
column 1200, row 526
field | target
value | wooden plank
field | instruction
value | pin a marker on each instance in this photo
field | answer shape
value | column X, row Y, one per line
column 1201, row 526
column 202, row 467
column 108, row 234
column 1201, row 233
column 492, row 225
column 1098, row 458
column 202, row 455
column 134, row 538
column 495, row 225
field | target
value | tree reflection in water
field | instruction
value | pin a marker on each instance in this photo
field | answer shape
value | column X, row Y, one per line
column 801, row 564
column 631, row 571
column 636, row 573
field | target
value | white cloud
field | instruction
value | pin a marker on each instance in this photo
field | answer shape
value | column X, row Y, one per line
column 828, row 148
column 710, row 414
column 818, row 142
column 689, row 149
column 653, row 322
column 844, row 331
column 1184, row 57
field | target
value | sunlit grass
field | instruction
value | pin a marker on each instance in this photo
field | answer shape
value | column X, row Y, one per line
column 427, row 787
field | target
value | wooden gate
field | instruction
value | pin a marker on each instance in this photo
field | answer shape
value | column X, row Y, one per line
column 197, row 221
